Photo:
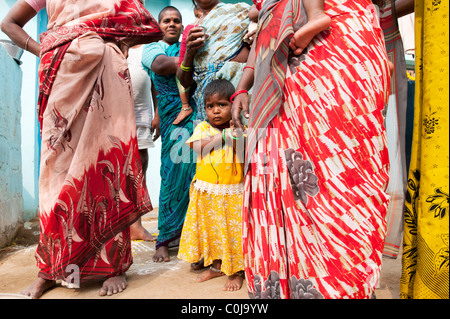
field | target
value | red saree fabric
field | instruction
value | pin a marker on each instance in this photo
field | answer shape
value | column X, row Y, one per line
column 314, row 196
column 91, row 185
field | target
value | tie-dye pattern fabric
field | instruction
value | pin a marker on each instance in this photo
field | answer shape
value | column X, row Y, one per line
column 314, row 193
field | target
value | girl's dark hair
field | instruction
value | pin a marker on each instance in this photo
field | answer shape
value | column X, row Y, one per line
column 168, row 8
column 221, row 86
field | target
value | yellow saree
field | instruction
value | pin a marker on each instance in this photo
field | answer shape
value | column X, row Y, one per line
column 426, row 232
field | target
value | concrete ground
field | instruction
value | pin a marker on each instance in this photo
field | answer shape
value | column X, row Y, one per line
column 146, row 279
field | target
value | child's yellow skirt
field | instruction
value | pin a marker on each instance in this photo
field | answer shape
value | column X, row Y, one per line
column 213, row 228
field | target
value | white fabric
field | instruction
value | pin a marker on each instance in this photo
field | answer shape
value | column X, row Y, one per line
column 143, row 102
column 219, row 189
column 406, row 26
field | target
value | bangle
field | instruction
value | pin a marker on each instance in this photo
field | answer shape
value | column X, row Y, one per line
column 231, row 135
column 236, row 94
column 223, row 135
column 186, row 68
column 249, row 67
column 26, row 43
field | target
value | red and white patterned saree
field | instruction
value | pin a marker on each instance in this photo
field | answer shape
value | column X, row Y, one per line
column 314, row 198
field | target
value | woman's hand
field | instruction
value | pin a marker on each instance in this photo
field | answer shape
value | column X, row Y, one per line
column 195, row 40
column 155, row 128
column 240, row 105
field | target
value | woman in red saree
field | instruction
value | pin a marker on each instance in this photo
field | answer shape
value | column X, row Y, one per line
column 316, row 159
column 91, row 186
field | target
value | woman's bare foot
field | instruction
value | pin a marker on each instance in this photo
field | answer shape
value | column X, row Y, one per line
column 234, row 282
column 184, row 113
column 138, row 232
column 212, row 272
column 113, row 285
column 38, row 287
column 316, row 24
column 161, row 254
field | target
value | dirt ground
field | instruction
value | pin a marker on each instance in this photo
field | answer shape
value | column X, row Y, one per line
column 146, row 279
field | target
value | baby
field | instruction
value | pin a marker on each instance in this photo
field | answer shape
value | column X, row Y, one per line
column 318, row 21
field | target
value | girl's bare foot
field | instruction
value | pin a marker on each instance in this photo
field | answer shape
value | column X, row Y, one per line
column 212, row 272
column 234, row 282
column 113, row 286
column 161, row 254
column 184, row 113
column 138, row 232
column 38, row 287
column 316, row 24
column 198, row 265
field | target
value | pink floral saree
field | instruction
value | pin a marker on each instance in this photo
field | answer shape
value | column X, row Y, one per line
column 91, row 185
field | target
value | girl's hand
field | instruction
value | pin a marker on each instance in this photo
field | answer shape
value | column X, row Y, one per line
column 240, row 104
column 236, row 132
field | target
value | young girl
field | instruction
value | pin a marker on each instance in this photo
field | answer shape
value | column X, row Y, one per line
column 212, row 228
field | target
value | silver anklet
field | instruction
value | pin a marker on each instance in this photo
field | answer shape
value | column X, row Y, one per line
column 215, row 269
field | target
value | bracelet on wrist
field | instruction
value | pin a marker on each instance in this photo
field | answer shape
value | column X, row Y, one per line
column 186, row 68
column 236, row 94
column 26, row 43
column 233, row 137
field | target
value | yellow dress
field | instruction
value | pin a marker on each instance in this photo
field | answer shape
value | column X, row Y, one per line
column 212, row 228
column 426, row 224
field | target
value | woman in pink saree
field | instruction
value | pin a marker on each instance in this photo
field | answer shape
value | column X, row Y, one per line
column 91, row 186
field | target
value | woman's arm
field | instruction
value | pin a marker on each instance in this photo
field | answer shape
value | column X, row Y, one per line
column 12, row 25
column 155, row 128
column 241, row 102
column 164, row 65
column 404, row 7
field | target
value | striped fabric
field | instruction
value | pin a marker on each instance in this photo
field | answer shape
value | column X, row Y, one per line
column 272, row 56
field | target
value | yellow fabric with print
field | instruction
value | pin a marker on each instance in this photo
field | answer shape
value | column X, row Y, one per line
column 425, row 260
column 220, row 166
column 212, row 228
